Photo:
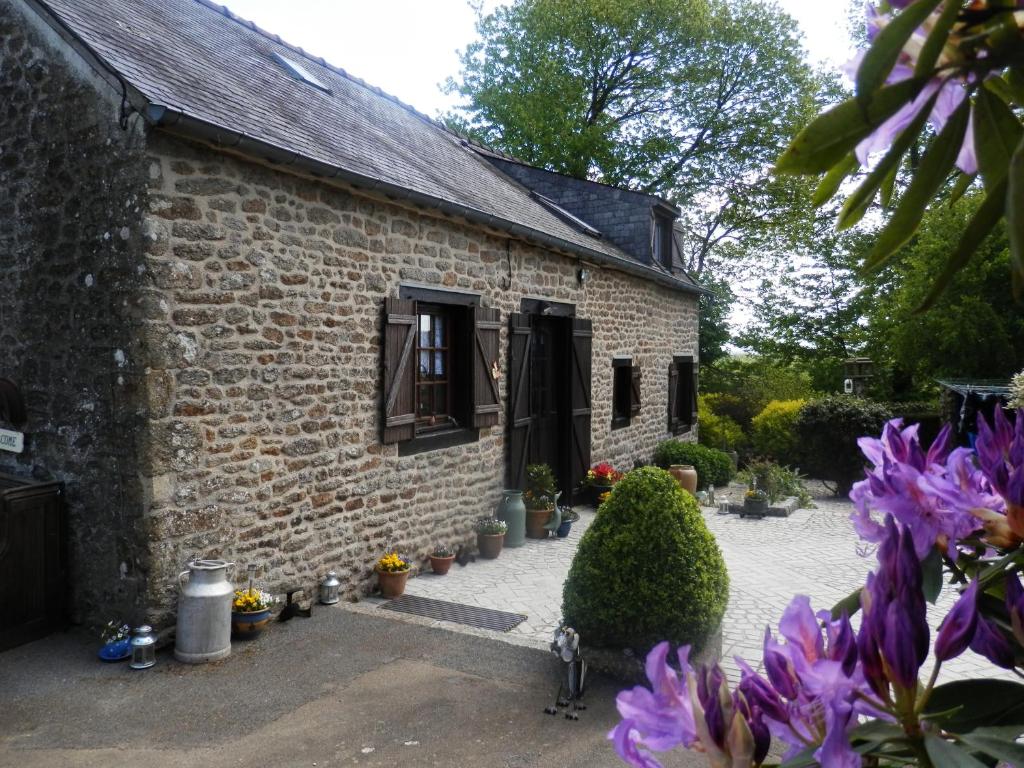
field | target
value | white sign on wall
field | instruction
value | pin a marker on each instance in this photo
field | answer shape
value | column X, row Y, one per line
column 12, row 441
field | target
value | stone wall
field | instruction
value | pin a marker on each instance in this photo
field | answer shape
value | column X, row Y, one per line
column 263, row 333
column 72, row 196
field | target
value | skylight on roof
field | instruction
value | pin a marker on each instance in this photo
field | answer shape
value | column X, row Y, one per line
column 567, row 217
column 299, row 72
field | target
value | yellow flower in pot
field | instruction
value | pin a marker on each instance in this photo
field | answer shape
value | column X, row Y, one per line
column 392, row 573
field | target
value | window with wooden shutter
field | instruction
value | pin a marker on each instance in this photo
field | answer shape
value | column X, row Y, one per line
column 625, row 392
column 440, row 362
column 399, row 396
column 682, row 395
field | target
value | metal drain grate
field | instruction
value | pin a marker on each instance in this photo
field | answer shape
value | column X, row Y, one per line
column 481, row 618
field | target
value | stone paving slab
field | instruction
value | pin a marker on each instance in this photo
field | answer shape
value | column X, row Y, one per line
column 812, row 551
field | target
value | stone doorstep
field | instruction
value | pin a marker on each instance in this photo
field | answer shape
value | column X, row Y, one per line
column 783, row 509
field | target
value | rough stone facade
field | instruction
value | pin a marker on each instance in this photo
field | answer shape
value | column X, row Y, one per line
column 264, row 331
column 72, row 200
column 199, row 339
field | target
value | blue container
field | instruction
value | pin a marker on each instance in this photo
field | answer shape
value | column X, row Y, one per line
column 513, row 512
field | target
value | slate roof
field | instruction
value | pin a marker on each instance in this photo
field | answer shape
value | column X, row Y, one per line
column 201, row 62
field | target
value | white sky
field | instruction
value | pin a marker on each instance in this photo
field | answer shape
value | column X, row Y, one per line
column 408, row 47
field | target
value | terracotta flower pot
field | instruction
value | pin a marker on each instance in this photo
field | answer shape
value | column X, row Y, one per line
column 490, row 544
column 440, row 565
column 392, row 583
column 685, row 475
column 247, row 625
column 536, row 519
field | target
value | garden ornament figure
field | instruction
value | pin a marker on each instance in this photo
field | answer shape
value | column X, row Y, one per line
column 566, row 646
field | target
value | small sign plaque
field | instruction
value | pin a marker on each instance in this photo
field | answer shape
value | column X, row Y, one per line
column 13, row 442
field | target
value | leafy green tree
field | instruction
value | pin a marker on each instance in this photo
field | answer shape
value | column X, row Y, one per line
column 689, row 99
column 715, row 333
column 974, row 330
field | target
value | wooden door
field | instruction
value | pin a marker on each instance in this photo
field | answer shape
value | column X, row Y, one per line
column 520, row 415
column 579, row 387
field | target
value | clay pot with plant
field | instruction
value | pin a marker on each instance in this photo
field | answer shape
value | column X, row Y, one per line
column 392, row 573
column 540, row 496
column 490, row 536
column 441, row 559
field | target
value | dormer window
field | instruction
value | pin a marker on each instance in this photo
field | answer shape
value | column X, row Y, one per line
column 661, row 247
column 299, row 72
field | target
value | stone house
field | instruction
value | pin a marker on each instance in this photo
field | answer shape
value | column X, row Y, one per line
column 260, row 310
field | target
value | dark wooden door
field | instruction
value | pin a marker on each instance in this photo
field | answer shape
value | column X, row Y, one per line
column 32, row 560
column 580, row 400
column 549, row 398
column 520, row 416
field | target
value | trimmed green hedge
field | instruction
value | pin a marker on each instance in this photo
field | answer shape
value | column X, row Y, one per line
column 713, row 467
column 715, row 431
column 828, row 430
column 647, row 569
column 773, row 432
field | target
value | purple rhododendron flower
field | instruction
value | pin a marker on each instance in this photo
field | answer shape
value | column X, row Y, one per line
column 1000, row 451
column 930, row 493
column 957, row 629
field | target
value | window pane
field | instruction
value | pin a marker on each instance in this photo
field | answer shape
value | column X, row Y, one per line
column 426, row 407
column 440, row 369
column 441, row 398
column 424, row 365
column 424, row 330
column 439, row 328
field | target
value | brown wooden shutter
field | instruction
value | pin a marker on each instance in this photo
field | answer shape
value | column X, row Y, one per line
column 693, row 394
column 399, row 396
column 673, row 396
column 486, row 397
column 634, row 391
column 579, row 459
column 520, row 417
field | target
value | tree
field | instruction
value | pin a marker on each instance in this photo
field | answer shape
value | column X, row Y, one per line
column 714, row 320
column 689, row 99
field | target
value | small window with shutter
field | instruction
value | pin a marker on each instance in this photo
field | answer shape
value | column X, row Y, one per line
column 440, row 369
column 625, row 392
column 682, row 394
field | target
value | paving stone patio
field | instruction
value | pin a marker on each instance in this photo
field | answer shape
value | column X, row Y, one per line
column 813, row 552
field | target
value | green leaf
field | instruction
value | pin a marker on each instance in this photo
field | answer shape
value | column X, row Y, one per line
column 931, row 571
column 997, row 746
column 1015, row 217
column 945, row 754
column 857, row 204
column 833, row 134
column 937, row 40
column 848, row 605
column 977, row 703
column 978, row 228
column 1015, row 81
column 963, row 182
column 885, row 50
column 931, row 173
column 997, row 132
column 833, row 179
column 889, row 186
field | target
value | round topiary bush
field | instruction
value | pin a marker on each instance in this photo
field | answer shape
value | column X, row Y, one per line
column 647, row 569
column 713, row 467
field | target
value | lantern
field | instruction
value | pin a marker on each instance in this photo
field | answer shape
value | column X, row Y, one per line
column 329, row 589
column 143, row 648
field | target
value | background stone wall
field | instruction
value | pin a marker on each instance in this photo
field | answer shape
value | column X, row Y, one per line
column 263, row 333
column 72, row 198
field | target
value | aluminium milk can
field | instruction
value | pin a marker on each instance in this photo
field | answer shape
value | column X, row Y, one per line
column 513, row 512
column 204, row 612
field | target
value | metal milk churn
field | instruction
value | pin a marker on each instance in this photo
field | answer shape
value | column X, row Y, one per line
column 513, row 512
column 204, row 612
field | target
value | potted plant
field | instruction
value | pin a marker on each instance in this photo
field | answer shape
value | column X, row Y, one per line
column 250, row 612
column 569, row 516
column 441, row 559
column 117, row 641
column 540, row 497
column 490, row 535
column 600, row 480
column 392, row 572
column 755, row 502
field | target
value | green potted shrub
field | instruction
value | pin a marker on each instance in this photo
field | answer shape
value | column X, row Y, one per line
column 490, row 536
column 755, row 502
column 647, row 569
column 441, row 559
column 540, row 497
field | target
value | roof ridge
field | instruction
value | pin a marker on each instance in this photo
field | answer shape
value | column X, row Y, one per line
column 227, row 13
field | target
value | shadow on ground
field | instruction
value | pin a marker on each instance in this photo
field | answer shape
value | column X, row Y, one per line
column 342, row 688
